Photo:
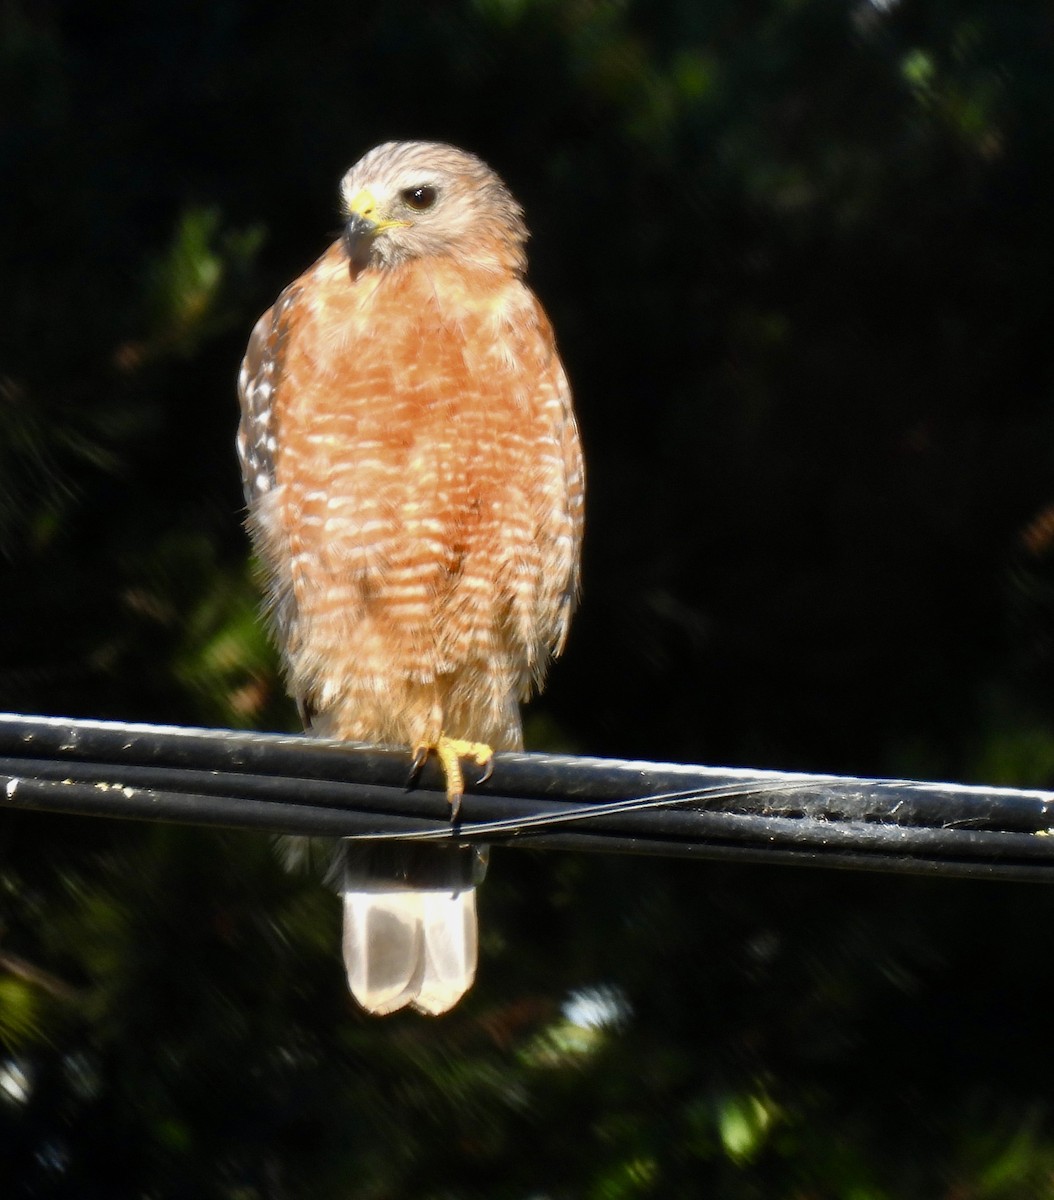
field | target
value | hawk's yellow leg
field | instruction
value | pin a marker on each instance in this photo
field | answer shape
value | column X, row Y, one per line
column 450, row 752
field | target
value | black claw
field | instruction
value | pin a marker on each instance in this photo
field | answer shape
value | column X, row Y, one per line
column 418, row 761
column 455, row 808
column 488, row 770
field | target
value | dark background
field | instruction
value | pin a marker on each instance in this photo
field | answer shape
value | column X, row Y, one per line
column 799, row 257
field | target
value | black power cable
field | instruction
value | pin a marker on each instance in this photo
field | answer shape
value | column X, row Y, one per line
column 309, row 786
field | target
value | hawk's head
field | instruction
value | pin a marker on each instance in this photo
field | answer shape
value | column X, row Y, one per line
column 406, row 200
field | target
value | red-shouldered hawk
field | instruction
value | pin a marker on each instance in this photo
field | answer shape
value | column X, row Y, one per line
column 415, row 489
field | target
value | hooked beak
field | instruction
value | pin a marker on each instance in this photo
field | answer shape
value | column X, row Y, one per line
column 363, row 225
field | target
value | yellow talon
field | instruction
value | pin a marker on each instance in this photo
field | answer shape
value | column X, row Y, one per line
column 450, row 752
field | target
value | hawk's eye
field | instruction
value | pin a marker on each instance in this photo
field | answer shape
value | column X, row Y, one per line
column 419, row 198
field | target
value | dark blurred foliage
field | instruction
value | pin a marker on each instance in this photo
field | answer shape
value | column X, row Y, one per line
column 799, row 254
